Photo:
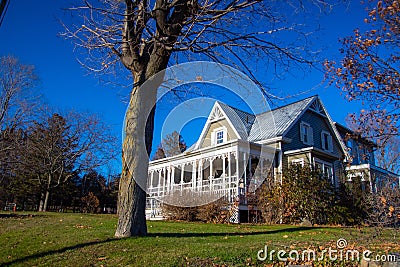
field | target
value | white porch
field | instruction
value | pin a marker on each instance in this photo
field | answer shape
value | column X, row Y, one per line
column 229, row 171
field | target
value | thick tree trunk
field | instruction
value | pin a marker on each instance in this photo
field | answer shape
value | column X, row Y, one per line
column 139, row 124
column 41, row 202
column 136, row 147
column 46, row 200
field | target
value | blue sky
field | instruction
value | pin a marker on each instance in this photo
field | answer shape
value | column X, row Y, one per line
column 29, row 32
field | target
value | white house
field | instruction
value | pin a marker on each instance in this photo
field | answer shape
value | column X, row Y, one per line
column 236, row 150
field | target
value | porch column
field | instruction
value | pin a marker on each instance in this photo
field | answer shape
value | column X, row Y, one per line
column 182, row 174
column 245, row 171
column 280, row 165
column 211, row 173
column 201, row 175
column 194, row 174
column 229, row 176
column 250, row 175
column 164, row 177
column 237, row 173
column 223, row 173
column 172, row 178
column 168, row 174
column 159, row 182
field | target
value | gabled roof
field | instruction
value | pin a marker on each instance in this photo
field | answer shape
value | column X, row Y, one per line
column 238, row 120
column 277, row 122
column 241, row 120
column 268, row 125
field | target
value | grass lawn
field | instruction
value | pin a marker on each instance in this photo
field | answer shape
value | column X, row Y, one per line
column 66, row 239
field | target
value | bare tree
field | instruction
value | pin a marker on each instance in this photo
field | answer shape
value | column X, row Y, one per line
column 18, row 103
column 388, row 156
column 383, row 208
column 159, row 154
column 142, row 35
column 173, row 144
column 60, row 147
column 16, row 99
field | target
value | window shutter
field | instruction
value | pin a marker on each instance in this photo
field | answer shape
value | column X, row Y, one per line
column 301, row 132
column 225, row 134
column 213, row 138
column 323, row 140
column 330, row 145
column 310, row 136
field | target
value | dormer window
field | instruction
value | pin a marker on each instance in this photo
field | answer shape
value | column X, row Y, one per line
column 220, row 137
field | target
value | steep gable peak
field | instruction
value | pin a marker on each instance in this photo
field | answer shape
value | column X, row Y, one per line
column 216, row 113
column 317, row 107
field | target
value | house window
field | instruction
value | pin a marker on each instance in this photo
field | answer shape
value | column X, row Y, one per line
column 220, row 137
column 306, row 134
column 349, row 144
column 298, row 162
column 326, row 140
column 328, row 171
column 355, row 155
column 319, row 167
column 325, row 169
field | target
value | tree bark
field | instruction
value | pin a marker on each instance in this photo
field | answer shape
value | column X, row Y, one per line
column 139, row 125
column 41, row 202
column 137, row 144
column 46, row 200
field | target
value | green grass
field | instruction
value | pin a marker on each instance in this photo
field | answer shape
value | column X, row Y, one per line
column 66, row 239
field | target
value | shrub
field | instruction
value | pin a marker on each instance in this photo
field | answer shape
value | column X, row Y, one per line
column 303, row 194
column 215, row 212
column 176, row 213
column 90, row 203
column 384, row 206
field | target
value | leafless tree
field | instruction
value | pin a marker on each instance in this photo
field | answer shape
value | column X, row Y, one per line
column 388, row 157
column 16, row 85
column 384, row 206
column 159, row 154
column 59, row 147
column 143, row 35
column 18, row 103
column 173, row 144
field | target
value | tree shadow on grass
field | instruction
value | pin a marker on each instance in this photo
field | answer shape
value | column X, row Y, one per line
column 57, row 251
column 233, row 233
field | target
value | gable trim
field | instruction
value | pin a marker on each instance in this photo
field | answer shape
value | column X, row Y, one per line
column 211, row 120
